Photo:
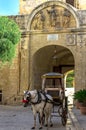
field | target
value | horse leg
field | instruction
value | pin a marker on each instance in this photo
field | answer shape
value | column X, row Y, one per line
column 51, row 124
column 34, row 121
column 46, row 119
column 41, row 119
column 48, row 116
column 48, row 112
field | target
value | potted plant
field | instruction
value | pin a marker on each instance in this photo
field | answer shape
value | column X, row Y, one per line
column 80, row 96
column 77, row 98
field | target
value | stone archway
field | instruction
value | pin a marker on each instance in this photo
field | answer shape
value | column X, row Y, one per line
column 50, row 24
column 55, row 23
column 51, row 58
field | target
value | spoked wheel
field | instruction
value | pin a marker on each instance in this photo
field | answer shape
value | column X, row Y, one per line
column 64, row 117
column 63, row 113
column 64, row 121
column 43, row 118
column 60, row 110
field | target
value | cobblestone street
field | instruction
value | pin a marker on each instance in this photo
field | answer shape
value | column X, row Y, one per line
column 20, row 118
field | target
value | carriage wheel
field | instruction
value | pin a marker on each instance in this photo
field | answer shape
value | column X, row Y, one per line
column 60, row 110
column 66, row 104
column 64, row 121
column 64, row 116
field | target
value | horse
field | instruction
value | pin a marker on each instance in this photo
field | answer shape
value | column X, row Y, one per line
column 42, row 103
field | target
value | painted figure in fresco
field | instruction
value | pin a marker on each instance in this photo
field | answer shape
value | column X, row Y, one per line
column 42, row 20
column 53, row 15
column 66, row 18
column 39, row 22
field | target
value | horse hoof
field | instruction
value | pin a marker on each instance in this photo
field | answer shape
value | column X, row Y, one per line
column 51, row 125
column 33, row 127
column 40, row 128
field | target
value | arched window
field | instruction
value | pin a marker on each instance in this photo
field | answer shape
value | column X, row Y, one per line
column 71, row 2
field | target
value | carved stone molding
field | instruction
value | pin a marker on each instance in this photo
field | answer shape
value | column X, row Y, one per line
column 81, row 39
column 82, row 17
column 53, row 17
column 76, row 39
column 23, row 43
column 71, row 39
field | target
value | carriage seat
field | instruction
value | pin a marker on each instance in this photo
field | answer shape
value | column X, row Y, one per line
column 54, row 92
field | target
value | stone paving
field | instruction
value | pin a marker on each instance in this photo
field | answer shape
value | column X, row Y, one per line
column 78, row 118
column 20, row 118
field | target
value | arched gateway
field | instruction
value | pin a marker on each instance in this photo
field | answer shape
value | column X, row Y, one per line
column 53, row 39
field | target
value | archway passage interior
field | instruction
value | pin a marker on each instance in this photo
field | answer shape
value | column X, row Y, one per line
column 52, row 58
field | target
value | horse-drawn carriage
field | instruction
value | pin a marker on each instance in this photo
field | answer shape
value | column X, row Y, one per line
column 53, row 84
column 49, row 101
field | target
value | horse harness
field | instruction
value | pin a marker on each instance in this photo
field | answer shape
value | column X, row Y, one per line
column 46, row 100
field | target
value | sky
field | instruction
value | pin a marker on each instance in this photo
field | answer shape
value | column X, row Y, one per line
column 9, row 7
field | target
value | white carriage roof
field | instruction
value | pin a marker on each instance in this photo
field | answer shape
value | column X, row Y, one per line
column 52, row 75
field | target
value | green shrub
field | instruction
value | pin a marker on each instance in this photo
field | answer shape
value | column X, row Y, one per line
column 80, row 95
column 9, row 37
column 7, row 50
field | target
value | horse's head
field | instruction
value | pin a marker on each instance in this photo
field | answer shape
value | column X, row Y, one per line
column 29, row 96
column 26, row 98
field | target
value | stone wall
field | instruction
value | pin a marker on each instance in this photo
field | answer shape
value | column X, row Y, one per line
column 26, row 6
column 9, row 80
column 33, row 55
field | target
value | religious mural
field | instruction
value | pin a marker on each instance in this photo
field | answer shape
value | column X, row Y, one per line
column 53, row 17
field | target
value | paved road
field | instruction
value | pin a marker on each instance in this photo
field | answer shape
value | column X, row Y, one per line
column 20, row 118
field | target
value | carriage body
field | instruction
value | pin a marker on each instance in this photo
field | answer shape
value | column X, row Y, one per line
column 53, row 84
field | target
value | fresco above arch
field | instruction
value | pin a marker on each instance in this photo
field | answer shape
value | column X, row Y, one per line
column 53, row 17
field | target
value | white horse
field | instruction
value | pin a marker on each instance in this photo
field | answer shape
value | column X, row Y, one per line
column 41, row 103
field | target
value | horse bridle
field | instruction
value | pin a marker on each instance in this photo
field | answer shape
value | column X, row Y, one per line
column 29, row 97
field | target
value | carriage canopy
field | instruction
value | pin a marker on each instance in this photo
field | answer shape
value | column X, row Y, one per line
column 52, row 75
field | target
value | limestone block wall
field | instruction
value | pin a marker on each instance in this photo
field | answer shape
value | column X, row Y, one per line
column 9, row 80
column 82, row 4
column 26, row 6
column 27, row 67
column 24, row 63
column 4, row 81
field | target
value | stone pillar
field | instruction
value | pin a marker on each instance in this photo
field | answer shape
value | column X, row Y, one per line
column 78, row 68
column 80, row 63
column 23, row 64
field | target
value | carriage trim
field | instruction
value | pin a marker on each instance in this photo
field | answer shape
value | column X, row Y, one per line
column 52, row 75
